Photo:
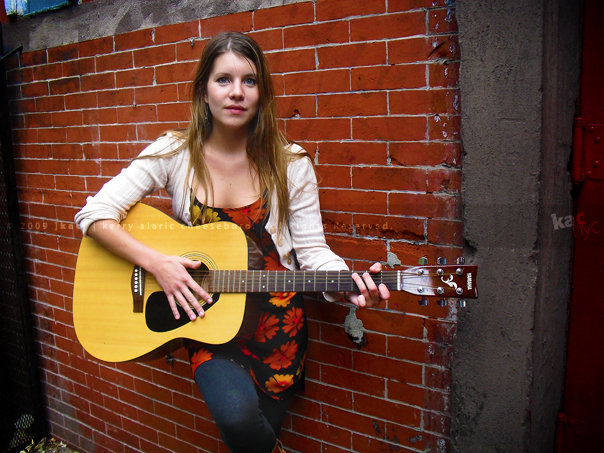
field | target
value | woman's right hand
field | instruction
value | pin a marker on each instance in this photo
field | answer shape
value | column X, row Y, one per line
column 180, row 288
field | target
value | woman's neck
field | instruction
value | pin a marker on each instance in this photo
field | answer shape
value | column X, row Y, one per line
column 227, row 142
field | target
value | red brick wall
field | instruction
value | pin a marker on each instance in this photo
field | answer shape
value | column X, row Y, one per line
column 372, row 93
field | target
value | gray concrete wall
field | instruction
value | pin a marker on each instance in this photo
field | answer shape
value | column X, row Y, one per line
column 113, row 17
column 519, row 83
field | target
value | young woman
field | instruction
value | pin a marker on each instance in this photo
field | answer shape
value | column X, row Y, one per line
column 233, row 163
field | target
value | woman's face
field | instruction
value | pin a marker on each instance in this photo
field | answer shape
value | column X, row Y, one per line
column 232, row 91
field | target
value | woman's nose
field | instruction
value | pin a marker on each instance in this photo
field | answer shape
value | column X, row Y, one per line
column 236, row 89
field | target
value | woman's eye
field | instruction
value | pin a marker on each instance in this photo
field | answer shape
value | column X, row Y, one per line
column 223, row 80
column 250, row 81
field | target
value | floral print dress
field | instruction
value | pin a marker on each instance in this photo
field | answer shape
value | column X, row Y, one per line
column 271, row 343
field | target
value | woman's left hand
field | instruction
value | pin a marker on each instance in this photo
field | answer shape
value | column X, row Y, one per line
column 369, row 293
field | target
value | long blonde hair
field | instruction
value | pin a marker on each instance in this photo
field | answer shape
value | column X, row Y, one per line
column 267, row 147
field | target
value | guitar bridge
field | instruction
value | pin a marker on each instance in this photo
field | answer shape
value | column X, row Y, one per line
column 137, row 286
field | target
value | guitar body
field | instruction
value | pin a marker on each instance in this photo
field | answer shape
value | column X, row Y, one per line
column 106, row 321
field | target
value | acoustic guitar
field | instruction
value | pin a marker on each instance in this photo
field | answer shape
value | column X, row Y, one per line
column 120, row 312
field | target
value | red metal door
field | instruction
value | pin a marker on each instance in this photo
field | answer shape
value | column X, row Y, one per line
column 581, row 422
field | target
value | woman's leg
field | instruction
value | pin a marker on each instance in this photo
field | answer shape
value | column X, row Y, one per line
column 230, row 394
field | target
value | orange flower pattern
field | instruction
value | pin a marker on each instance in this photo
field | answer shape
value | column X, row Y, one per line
column 267, row 327
column 293, row 321
column 198, row 357
column 277, row 342
column 282, row 357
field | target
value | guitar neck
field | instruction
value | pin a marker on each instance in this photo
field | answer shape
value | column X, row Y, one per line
column 258, row 281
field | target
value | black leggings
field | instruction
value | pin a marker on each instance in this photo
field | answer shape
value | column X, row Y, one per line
column 249, row 421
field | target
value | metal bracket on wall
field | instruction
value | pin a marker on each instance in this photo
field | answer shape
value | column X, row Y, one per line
column 588, row 151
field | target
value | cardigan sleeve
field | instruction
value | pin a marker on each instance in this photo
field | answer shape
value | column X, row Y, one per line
column 305, row 222
column 142, row 177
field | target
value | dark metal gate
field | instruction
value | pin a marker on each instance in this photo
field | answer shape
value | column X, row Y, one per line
column 21, row 411
column 581, row 427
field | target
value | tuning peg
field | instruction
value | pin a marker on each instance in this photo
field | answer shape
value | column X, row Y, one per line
column 441, row 260
column 423, row 261
column 442, row 302
column 462, row 303
column 423, row 302
column 461, row 260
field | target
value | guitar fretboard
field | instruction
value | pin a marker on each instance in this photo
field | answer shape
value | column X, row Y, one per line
column 258, row 281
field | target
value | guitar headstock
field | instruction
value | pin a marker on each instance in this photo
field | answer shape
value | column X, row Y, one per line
column 443, row 281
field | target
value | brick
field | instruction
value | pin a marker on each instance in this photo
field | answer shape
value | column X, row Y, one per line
column 316, row 34
column 408, row 437
column 339, row 9
column 353, row 153
column 33, row 90
column 85, row 134
column 353, row 200
column 118, row 133
column 34, row 58
column 407, row 5
column 64, row 85
column 34, row 120
column 443, row 74
column 242, row 22
column 114, row 61
column 396, row 25
column 177, row 72
column 424, row 205
column 336, row 356
column 51, row 135
column 137, row 114
column 352, row 104
column 442, row 20
column 94, row 82
column 412, row 102
column 76, row 101
column 134, row 40
column 389, row 178
column 444, row 127
column 71, row 118
column 48, row 71
column 62, row 53
column 426, row 153
column 437, row 423
column 328, row 433
column 392, row 323
column 333, row 176
column 402, row 128
column 388, row 77
column 337, row 80
column 176, row 32
column 358, row 248
column 291, row 60
column 298, row 13
column 381, row 408
column 405, row 392
column 150, row 132
column 445, row 231
column 78, row 67
column 113, row 98
column 389, row 227
column 331, row 395
column 351, row 55
column 155, row 94
column 96, row 47
column 134, row 78
column 153, row 56
column 346, row 378
column 444, row 180
column 319, row 128
column 268, row 39
column 296, row 106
